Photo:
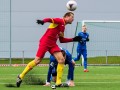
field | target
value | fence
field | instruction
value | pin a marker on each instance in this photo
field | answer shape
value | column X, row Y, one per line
column 95, row 57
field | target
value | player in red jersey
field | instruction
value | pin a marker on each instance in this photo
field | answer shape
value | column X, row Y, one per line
column 48, row 43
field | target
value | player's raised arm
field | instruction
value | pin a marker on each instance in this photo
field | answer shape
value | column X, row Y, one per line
column 50, row 20
column 64, row 40
column 75, row 39
column 44, row 21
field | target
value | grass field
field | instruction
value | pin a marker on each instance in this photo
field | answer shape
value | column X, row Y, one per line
column 91, row 60
column 99, row 78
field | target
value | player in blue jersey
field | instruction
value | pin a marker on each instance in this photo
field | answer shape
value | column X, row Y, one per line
column 53, row 66
column 82, row 48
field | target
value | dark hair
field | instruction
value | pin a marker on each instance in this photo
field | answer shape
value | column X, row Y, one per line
column 68, row 14
column 63, row 52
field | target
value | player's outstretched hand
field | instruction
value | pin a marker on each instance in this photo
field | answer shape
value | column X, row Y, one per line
column 77, row 39
column 40, row 22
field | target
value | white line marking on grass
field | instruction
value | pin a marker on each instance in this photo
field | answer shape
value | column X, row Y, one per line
column 63, row 74
column 97, row 82
column 107, row 74
column 109, row 67
column 79, row 82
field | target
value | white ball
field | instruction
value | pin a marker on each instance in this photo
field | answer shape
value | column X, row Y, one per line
column 53, row 87
column 71, row 5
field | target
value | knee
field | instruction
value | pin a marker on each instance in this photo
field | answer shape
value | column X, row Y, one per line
column 37, row 60
column 61, row 61
column 73, row 63
column 85, row 58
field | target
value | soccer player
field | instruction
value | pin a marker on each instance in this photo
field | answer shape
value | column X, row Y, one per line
column 82, row 48
column 48, row 43
column 53, row 66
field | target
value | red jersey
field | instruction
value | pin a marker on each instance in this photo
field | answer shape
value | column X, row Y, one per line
column 54, row 31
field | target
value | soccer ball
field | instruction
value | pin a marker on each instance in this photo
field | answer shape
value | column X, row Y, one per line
column 53, row 87
column 71, row 5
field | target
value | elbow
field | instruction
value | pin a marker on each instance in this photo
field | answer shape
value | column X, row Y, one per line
column 61, row 42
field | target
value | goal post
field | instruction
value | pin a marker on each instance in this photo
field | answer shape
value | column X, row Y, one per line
column 104, row 41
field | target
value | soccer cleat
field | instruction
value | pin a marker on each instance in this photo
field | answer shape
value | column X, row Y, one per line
column 19, row 81
column 85, row 70
column 62, row 85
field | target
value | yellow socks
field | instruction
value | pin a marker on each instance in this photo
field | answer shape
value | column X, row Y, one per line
column 60, row 68
column 27, row 69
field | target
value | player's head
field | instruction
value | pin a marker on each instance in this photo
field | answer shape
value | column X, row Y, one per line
column 84, row 28
column 68, row 17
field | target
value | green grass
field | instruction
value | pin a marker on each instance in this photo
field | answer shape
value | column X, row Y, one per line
column 20, row 60
column 91, row 60
column 102, row 60
column 99, row 78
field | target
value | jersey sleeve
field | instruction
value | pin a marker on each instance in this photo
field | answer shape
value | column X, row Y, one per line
column 64, row 40
column 58, row 20
column 54, row 20
column 47, row 20
column 79, row 34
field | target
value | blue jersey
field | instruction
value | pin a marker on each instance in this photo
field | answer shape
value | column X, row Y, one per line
column 81, row 48
column 82, row 43
column 53, row 66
